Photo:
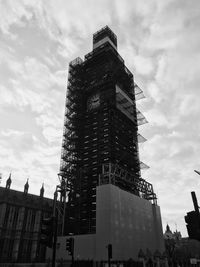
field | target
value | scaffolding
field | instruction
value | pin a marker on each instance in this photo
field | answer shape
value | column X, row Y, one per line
column 100, row 143
column 73, row 117
column 116, row 175
column 138, row 92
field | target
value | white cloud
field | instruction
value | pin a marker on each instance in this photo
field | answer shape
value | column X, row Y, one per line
column 11, row 13
column 52, row 134
column 143, row 65
column 154, row 92
column 159, row 41
column 156, row 117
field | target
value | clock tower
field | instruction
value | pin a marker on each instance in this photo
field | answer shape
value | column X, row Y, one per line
column 100, row 140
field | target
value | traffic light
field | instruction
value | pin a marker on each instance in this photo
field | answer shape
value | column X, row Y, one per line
column 70, row 246
column 192, row 220
column 47, row 230
column 110, row 251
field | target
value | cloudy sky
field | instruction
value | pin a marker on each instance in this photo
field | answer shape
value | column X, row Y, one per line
column 160, row 42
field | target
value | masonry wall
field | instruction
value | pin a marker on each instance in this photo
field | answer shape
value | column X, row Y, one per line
column 20, row 221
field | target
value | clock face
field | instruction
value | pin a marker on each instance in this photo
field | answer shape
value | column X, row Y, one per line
column 93, row 101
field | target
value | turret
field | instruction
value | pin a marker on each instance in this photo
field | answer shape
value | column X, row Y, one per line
column 42, row 190
column 26, row 187
column 8, row 182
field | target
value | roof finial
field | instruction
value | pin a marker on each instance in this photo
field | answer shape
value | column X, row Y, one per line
column 26, row 186
column 42, row 190
column 168, row 228
column 8, row 182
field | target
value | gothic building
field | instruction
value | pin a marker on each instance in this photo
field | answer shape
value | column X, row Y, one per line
column 21, row 214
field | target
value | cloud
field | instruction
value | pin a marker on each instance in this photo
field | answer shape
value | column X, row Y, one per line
column 159, row 41
column 143, row 65
column 11, row 13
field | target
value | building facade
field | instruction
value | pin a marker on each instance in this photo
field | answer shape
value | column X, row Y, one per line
column 21, row 214
column 181, row 251
column 100, row 141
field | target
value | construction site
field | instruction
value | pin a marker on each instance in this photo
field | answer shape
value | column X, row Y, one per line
column 100, row 141
column 100, row 151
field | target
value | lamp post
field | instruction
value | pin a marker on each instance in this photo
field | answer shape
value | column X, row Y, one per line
column 55, row 217
column 62, row 189
column 141, row 257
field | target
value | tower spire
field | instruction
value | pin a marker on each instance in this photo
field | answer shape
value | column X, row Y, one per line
column 42, row 190
column 26, row 187
column 8, row 182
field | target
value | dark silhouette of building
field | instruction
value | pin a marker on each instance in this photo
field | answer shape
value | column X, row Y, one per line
column 100, row 141
column 180, row 250
column 20, row 222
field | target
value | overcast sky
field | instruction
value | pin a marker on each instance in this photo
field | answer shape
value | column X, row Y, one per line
column 160, row 42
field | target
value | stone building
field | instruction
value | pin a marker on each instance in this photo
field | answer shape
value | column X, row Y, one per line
column 20, row 222
column 180, row 250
